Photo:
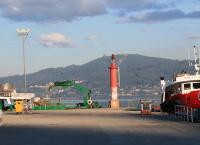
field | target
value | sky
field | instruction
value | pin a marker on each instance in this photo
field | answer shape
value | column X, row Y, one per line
column 66, row 32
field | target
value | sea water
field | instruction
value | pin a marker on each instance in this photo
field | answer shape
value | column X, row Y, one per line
column 124, row 103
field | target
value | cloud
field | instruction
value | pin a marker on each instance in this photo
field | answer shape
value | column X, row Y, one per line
column 128, row 11
column 56, row 40
column 159, row 16
column 137, row 5
column 91, row 37
column 193, row 37
column 50, row 10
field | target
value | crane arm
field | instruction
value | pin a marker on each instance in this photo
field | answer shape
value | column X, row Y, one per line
column 72, row 84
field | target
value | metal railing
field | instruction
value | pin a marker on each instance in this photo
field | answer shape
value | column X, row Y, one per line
column 184, row 113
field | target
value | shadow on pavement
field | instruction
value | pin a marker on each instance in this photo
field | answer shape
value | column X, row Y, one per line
column 25, row 135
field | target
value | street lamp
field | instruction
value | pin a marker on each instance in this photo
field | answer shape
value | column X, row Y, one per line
column 23, row 33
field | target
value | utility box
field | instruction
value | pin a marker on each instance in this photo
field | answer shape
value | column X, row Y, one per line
column 1, row 104
column 19, row 106
column 145, row 107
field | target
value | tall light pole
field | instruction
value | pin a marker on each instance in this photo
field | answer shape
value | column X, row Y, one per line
column 23, row 33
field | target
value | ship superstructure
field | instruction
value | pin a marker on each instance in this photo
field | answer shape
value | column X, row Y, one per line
column 184, row 89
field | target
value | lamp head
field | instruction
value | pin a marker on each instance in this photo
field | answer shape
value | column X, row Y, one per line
column 22, row 31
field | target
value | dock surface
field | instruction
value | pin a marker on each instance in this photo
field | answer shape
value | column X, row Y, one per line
column 96, row 127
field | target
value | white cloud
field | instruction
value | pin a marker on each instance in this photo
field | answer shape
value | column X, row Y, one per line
column 138, row 5
column 56, row 40
column 50, row 10
column 70, row 10
column 91, row 37
column 160, row 16
column 193, row 37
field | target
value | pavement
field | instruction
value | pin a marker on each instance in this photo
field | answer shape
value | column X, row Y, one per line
column 96, row 127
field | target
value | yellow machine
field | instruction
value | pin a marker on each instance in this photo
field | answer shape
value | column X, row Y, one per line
column 19, row 106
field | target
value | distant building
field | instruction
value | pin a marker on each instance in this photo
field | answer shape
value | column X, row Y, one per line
column 7, row 90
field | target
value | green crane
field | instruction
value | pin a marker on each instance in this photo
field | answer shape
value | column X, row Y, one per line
column 87, row 102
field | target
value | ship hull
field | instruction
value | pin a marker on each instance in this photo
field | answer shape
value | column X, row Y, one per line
column 191, row 99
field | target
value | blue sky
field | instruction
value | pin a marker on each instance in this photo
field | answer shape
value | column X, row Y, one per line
column 65, row 32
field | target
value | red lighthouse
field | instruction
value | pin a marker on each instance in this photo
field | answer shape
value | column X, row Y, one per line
column 114, row 83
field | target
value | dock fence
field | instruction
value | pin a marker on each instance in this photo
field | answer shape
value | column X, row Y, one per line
column 184, row 113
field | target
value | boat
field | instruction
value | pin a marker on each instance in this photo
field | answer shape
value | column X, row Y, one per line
column 183, row 89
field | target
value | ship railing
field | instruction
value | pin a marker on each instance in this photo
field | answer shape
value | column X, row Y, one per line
column 184, row 113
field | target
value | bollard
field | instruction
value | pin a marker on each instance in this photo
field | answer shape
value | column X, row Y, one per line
column 1, row 119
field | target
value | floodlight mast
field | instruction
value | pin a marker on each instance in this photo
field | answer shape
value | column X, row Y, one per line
column 23, row 33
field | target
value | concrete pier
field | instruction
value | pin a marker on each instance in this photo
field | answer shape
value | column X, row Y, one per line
column 96, row 127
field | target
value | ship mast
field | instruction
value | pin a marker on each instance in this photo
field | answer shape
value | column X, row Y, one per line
column 196, row 61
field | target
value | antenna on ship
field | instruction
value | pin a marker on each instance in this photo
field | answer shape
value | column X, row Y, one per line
column 189, row 58
column 196, row 64
column 198, row 38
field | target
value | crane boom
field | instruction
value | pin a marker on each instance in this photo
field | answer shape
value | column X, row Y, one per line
column 72, row 84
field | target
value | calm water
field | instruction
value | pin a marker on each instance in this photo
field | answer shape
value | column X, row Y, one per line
column 131, row 103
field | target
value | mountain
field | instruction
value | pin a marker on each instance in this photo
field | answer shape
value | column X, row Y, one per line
column 134, row 70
